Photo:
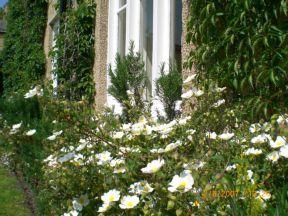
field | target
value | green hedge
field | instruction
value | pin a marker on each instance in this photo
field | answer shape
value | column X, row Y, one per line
column 242, row 44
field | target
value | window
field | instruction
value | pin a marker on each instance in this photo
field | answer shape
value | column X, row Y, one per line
column 122, row 27
column 146, row 40
column 177, row 33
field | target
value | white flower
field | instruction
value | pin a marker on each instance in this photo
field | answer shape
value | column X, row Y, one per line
column 249, row 174
column 129, row 92
column 71, row 213
column 253, row 151
column 198, row 92
column 111, row 196
column 153, row 166
column 31, row 132
column 230, row 167
column 52, row 137
column 159, row 151
column 119, row 170
column 189, row 79
column 52, row 161
column 259, row 139
column 16, row 126
column 254, row 128
column 80, row 202
column 187, row 94
column 117, row 162
column 218, row 103
column 182, row 121
column 104, row 207
column 264, row 195
column 220, row 89
column 58, row 133
column 280, row 120
column 178, row 105
column 284, row 151
column 273, row 156
column 118, row 135
column 182, row 183
column 129, row 202
column 211, row 135
column 31, row 93
column 226, row 136
column 280, row 141
column 172, row 146
column 66, row 157
column 55, row 134
column 126, row 127
column 103, row 157
column 81, row 146
column 140, row 188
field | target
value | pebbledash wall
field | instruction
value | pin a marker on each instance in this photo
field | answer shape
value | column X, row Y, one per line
column 157, row 28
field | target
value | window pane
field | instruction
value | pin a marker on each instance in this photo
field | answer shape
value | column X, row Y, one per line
column 178, row 33
column 122, row 3
column 122, row 32
column 147, row 39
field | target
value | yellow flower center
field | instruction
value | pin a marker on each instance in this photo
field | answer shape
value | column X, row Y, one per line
column 183, row 184
column 130, row 204
column 154, row 169
column 111, row 198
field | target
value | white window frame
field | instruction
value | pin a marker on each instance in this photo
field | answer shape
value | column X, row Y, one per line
column 163, row 39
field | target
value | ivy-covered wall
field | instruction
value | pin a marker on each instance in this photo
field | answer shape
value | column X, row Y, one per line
column 74, row 50
column 23, row 61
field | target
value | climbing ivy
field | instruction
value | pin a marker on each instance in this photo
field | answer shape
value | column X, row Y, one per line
column 23, row 60
column 75, row 50
column 242, row 44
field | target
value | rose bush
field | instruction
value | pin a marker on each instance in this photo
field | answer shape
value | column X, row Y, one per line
column 209, row 162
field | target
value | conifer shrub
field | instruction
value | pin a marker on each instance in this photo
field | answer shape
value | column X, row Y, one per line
column 128, row 83
column 169, row 88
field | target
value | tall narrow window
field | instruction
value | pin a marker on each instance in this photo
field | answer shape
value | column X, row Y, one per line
column 177, row 31
column 147, row 39
column 122, row 27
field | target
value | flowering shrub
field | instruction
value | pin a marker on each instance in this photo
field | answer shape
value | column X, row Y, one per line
column 209, row 162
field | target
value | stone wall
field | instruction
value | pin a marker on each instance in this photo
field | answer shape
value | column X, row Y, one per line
column 1, row 40
column 186, row 48
column 52, row 14
column 100, row 63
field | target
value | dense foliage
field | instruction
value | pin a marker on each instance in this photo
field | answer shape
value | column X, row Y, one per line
column 23, row 55
column 74, row 51
column 242, row 45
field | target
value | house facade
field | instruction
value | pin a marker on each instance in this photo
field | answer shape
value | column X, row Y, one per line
column 156, row 27
column 2, row 32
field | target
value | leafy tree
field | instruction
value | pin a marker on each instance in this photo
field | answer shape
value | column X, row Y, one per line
column 242, row 45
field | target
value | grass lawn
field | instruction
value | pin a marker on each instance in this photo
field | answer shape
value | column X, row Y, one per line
column 12, row 199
